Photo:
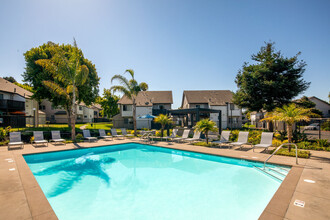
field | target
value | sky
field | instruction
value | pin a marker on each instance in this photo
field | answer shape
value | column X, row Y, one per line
column 171, row 44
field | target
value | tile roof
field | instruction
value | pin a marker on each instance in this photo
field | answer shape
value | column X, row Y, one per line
column 212, row 97
column 6, row 86
column 147, row 98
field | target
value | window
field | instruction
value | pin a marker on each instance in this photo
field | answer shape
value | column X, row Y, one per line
column 127, row 107
column 80, row 108
column 42, row 107
column 1, row 96
column 52, row 117
column 161, row 107
column 125, row 121
column 85, row 116
column 95, row 112
column 198, row 106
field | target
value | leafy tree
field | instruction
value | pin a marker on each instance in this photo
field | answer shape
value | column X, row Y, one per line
column 272, row 81
column 10, row 79
column 109, row 103
column 25, row 86
column 35, row 74
column 304, row 102
column 130, row 88
column 163, row 120
column 205, row 126
column 289, row 114
column 68, row 74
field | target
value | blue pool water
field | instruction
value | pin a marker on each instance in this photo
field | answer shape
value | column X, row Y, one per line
column 135, row 181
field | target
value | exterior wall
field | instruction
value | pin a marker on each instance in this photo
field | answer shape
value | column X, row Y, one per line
column 87, row 114
column 235, row 114
column 323, row 107
column 126, row 113
column 201, row 105
column 165, row 106
column 29, row 106
column 185, row 102
column 143, row 123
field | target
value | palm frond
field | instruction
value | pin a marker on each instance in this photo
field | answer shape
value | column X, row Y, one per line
column 47, row 65
column 82, row 75
column 131, row 72
column 144, row 86
column 121, row 89
column 122, row 80
column 56, row 89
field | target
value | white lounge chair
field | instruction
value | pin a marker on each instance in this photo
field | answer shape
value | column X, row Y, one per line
column 114, row 133
column 124, row 132
column 196, row 137
column 266, row 140
column 15, row 139
column 184, row 136
column 224, row 138
column 103, row 135
column 242, row 139
column 87, row 135
column 39, row 138
column 173, row 135
column 56, row 137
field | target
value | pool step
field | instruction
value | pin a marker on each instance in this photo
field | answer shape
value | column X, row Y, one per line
column 274, row 172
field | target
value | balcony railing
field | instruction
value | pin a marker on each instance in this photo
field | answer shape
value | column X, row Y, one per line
column 11, row 104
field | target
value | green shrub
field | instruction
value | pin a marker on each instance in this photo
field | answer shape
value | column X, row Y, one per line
column 281, row 135
column 234, row 135
column 204, row 144
column 254, row 136
column 298, row 136
column 325, row 126
column 79, row 137
column 322, row 142
column 4, row 133
column 285, row 152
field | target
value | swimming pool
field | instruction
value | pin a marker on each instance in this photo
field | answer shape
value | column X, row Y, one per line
column 135, row 181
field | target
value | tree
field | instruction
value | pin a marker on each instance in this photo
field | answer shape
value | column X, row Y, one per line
column 130, row 88
column 304, row 102
column 109, row 103
column 68, row 74
column 163, row 120
column 205, row 126
column 289, row 114
column 25, row 86
column 272, row 81
column 10, row 79
column 35, row 74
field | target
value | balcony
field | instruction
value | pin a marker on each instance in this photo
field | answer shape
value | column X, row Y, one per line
column 157, row 112
column 11, row 104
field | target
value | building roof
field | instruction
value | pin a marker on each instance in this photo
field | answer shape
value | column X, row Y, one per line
column 6, row 86
column 148, row 98
column 212, row 97
column 314, row 97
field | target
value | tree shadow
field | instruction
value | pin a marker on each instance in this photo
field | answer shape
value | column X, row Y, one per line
column 75, row 171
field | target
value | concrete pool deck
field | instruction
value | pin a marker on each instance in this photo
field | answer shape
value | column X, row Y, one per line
column 22, row 198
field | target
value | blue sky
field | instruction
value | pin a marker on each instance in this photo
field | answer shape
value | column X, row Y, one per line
column 171, row 44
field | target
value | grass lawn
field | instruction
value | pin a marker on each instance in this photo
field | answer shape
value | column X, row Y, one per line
column 47, row 127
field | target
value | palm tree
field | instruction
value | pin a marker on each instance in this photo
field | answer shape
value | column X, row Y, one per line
column 130, row 88
column 163, row 120
column 68, row 74
column 289, row 114
column 205, row 126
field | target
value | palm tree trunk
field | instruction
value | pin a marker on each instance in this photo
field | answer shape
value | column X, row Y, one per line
column 289, row 130
column 162, row 131
column 207, row 137
column 134, row 116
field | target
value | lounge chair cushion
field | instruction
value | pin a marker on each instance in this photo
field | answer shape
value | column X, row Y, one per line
column 57, row 140
column 106, row 136
column 15, row 143
column 41, row 141
column 220, row 142
column 238, row 143
column 263, row 145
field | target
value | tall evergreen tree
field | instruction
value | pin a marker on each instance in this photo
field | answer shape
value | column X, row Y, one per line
column 272, row 81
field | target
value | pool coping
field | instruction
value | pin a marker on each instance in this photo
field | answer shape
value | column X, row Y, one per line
column 41, row 209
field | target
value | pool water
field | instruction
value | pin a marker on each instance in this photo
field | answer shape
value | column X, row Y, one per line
column 135, row 181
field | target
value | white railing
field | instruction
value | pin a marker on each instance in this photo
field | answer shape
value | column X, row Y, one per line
column 280, row 148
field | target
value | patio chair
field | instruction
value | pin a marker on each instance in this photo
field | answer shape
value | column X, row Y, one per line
column 114, row 134
column 56, row 137
column 266, row 140
column 196, row 137
column 224, row 138
column 87, row 136
column 15, row 139
column 173, row 135
column 183, row 137
column 124, row 132
column 242, row 139
column 103, row 135
column 39, row 138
